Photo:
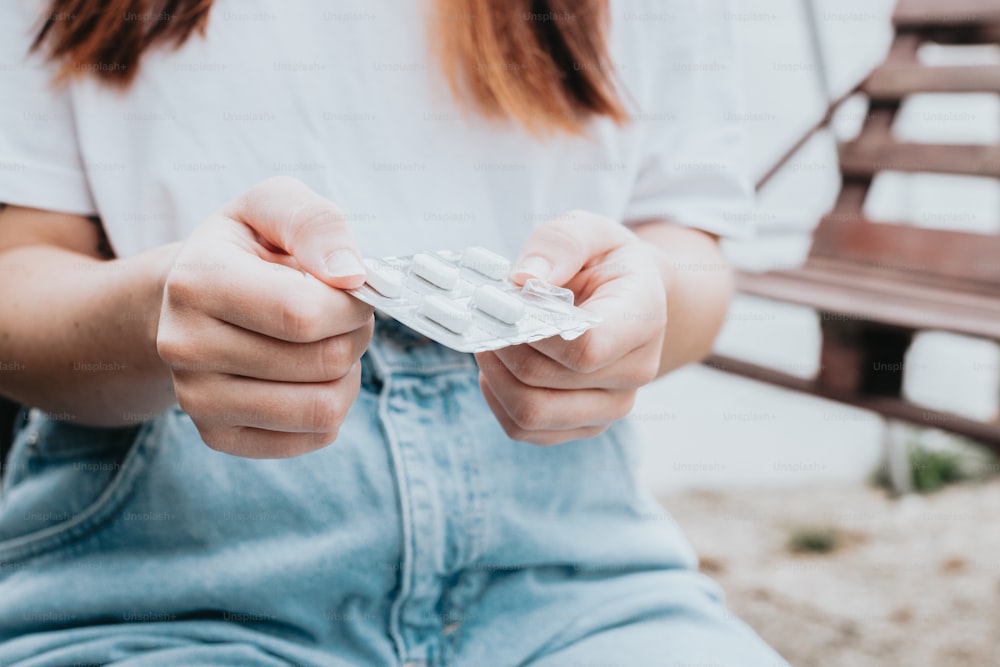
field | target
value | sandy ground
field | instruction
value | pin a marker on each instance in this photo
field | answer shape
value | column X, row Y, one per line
column 915, row 582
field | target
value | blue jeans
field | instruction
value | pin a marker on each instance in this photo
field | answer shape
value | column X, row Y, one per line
column 422, row 536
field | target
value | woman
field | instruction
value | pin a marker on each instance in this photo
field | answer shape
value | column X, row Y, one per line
column 229, row 460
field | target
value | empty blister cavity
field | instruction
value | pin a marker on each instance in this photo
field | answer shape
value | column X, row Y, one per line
column 507, row 308
column 453, row 316
column 548, row 296
column 435, row 271
column 384, row 278
column 486, row 262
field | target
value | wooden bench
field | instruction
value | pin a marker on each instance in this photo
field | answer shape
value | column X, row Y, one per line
column 875, row 285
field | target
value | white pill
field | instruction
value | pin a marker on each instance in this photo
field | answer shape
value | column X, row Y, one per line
column 487, row 263
column 499, row 304
column 384, row 278
column 435, row 271
column 452, row 316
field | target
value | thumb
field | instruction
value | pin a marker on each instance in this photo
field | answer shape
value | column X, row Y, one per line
column 559, row 248
column 287, row 214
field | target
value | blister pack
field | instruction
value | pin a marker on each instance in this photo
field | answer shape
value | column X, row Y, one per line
column 466, row 301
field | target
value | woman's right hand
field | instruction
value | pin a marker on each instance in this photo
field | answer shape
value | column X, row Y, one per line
column 262, row 341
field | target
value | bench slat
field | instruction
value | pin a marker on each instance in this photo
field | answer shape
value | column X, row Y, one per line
column 912, row 14
column 890, row 84
column 986, row 33
column 963, row 261
column 986, row 432
column 856, row 296
column 867, row 156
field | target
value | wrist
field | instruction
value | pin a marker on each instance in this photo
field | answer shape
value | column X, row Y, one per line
column 149, row 271
column 698, row 282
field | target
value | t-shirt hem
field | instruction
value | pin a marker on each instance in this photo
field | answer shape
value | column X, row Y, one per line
column 22, row 184
column 733, row 223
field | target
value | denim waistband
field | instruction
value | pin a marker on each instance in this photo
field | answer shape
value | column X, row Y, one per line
column 398, row 350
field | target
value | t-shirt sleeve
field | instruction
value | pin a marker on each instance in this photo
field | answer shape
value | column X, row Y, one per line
column 40, row 161
column 694, row 168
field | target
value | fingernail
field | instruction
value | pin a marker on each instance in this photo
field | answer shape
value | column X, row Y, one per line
column 344, row 263
column 534, row 265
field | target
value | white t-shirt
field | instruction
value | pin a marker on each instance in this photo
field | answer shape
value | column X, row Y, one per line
column 347, row 97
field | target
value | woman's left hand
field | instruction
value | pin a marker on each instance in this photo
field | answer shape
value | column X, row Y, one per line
column 553, row 390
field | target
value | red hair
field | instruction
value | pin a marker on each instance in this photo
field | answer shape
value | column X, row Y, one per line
column 542, row 63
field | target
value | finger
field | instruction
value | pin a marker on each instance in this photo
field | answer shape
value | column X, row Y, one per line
column 630, row 297
column 600, row 350
column 546, row 438
column 270, row 299
column 257, row 443
column 637, row 368
column 213, row 400
column 542, row 409
column 308, row 227
column 230, row 350
column 558, row 249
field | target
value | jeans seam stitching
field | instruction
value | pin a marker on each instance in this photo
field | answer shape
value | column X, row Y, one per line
column 405, row 570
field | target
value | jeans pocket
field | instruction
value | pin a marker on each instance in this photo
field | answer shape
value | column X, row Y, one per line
column 63, row 480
